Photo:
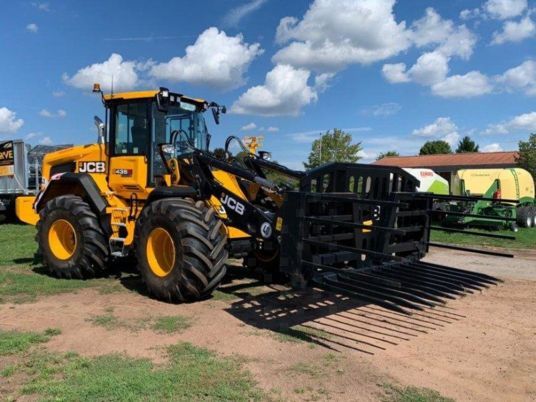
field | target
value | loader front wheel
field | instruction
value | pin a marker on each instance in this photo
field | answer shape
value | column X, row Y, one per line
column 71, row 241
column 180, row 248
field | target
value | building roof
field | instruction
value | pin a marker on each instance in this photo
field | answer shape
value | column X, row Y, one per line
column 463, row 160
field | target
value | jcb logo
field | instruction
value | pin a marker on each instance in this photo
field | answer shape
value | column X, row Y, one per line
column 91, row 167
column 230, row 202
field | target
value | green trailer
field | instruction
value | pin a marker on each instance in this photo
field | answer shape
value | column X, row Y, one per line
column 507, row 199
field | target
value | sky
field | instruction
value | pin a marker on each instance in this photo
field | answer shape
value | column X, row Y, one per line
column 393, row 74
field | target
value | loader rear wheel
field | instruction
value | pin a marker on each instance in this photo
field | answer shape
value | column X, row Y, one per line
column 71, row 241
column 180, row 248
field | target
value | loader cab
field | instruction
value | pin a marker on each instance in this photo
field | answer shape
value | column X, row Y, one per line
column 138, row 123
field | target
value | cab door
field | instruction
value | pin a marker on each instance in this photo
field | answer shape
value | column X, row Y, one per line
column 130, row 148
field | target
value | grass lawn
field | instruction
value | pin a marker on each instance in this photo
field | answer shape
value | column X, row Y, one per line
column 22, row 281
column 525, row 238
column 191, row 373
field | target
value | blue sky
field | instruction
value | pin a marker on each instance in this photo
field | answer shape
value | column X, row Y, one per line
column 393, row 74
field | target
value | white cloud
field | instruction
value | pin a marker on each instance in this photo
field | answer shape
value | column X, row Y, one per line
column 395, row 73
column 46, row 141
column 46, row 113
column 523, row 123
column 470, row 14
column 383, row 110
column 32, row 28
column 451, row 138
column 272, row 129
column 32, row 135
column 58, row 94
column 9, row 124
column 249, row 127
column 513, row 31
column 431, row 29
column 460, row 42
column 522, row 77
column 367, row 156
column 503, row 9
column 285, row 92
column 429, row 69
column 451, row 40
column 41, row 6
column 122, row 73
column 235, row 15
column 468, row 85
column 441, row 127
column 215, row 59
column 432, row 67
column 495, row 147
column 335, row 33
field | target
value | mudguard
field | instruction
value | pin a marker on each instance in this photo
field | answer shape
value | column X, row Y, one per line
column 80, row 184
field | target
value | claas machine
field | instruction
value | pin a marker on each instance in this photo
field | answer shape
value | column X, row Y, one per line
column 150, row 188
column 505, row 193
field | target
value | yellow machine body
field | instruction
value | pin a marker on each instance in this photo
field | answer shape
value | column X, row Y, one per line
column 116, row 188
column 514, row 183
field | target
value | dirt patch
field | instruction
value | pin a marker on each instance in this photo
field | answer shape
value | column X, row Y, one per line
column 315, row 345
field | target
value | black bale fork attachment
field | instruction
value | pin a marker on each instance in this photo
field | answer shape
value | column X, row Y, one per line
column 353, row 229
column 361, row 231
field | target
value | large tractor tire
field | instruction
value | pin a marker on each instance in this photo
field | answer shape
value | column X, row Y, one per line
column 71, row 241
column 524, row 217
column 180, row 248
column 532, row 213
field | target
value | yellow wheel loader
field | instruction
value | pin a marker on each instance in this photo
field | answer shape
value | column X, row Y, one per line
column 151, row 188
column 148, row 188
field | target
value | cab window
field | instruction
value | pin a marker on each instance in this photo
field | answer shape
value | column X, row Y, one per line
column 132, row 131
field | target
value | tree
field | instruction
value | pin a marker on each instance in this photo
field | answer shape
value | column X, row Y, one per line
column 333, row 146
column 466, row 144
column 435, row 147
column 527, row 155
column 387, row 154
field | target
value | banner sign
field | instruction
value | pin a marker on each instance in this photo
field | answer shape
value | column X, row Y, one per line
column 7, row 159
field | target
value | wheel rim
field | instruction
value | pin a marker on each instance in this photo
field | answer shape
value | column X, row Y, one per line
column 160, row 252
column 62, row 239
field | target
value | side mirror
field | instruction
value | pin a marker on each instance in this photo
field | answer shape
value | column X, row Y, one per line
column 100, row 129
column 162, row 100
column 265, row 155
column 216, row 110
column 216, row 115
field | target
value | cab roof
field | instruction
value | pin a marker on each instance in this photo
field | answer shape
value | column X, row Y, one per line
column 149, row 94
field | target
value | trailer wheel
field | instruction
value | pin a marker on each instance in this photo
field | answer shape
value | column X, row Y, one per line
column 532, row 211
column 71, row 241
column 180, row 248
column 524, row 217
